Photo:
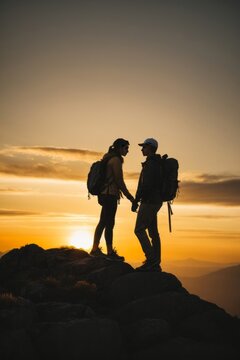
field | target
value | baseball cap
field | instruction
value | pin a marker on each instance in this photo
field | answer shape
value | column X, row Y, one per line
column 150, row 141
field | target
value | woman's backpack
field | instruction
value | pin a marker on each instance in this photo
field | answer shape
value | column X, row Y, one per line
column 96, row 177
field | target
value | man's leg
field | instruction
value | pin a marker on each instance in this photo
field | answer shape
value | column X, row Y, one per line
column 145, row 216
column 154, row 235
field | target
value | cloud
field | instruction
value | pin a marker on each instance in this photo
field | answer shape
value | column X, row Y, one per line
column 9, row 190
column 220, row 192
column 16, row 163
column 213, row 178
column 42, row 170
column 28, row 168
column 4, row 212
column 50, row 216
column 64, row 153
column 214, row 217
column 50, row 163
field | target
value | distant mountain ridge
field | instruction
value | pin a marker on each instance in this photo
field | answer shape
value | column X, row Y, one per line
column 3, row 253
column 193, row 267
column 226, row 272
column 197, row 262
column 221, row 287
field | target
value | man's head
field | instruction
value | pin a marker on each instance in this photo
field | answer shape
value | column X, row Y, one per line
column 149, row 146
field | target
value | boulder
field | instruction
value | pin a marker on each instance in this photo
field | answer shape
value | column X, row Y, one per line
column 146, row 332
column 137, row 285
column 17, row 344
column 87, row 339
column 187, row 349
column 106, row 275
column 58, row 312
column 16, row 313
column 172, row 306
column 209, row 325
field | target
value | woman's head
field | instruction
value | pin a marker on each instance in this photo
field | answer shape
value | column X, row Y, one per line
column 120, row 146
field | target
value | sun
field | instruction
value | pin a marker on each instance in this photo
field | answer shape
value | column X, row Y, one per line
column 81, row 239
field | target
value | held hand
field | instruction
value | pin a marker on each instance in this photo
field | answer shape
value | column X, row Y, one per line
column 134, row 206
column 131, row 198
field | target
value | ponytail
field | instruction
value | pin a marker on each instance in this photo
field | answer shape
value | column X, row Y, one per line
column 111, row 149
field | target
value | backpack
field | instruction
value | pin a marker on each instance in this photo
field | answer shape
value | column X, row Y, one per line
column 96, row 177
column 169, row 183
column 169, row 180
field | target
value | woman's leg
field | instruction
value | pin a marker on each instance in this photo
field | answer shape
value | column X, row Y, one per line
column 110, row 213
column 100, row 226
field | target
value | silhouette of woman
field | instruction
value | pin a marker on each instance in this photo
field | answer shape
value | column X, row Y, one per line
column 109, row 198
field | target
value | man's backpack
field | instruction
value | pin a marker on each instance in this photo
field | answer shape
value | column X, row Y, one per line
column 169, row 182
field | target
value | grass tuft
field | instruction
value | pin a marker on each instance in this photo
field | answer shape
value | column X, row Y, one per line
column 7, row 299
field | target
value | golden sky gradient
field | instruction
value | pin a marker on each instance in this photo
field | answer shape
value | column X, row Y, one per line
column 78, row 74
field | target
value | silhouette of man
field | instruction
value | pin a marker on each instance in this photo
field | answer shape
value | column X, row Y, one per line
column 149, row 195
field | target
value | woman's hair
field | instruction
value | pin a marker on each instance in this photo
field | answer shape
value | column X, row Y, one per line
column 117, row 144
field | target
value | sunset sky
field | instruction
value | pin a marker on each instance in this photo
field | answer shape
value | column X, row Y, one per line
column 76, row 75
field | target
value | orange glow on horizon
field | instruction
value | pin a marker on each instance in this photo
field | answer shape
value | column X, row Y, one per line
column 81, row 239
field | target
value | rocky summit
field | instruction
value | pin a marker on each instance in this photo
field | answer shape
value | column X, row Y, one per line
column 64, row 304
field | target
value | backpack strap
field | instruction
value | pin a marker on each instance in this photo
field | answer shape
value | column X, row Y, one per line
column 170, row 213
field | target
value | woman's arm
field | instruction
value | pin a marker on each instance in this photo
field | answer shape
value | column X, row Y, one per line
column 118, row 177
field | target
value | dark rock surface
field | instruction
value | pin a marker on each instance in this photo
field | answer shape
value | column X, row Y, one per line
column 63, row 304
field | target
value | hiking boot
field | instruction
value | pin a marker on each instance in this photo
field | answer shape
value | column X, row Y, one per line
column 97, row 253
column 149, row 265
column 114, row 256
column 156, row 268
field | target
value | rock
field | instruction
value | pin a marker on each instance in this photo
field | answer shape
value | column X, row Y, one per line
column 86, row 339
column 64, row 254
column 31, row 262
column 187, row 349
column 3, row 290
column 58, row 312
column 172, row 306
column 64, row 304
column 36, row 291
column 21, row 265
column 105, row 275
column 147, row 331
column 210, row 325
column 17, row 344
column 23, row 258
column 16, row 313
column 78, row 267
column 130, row 287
